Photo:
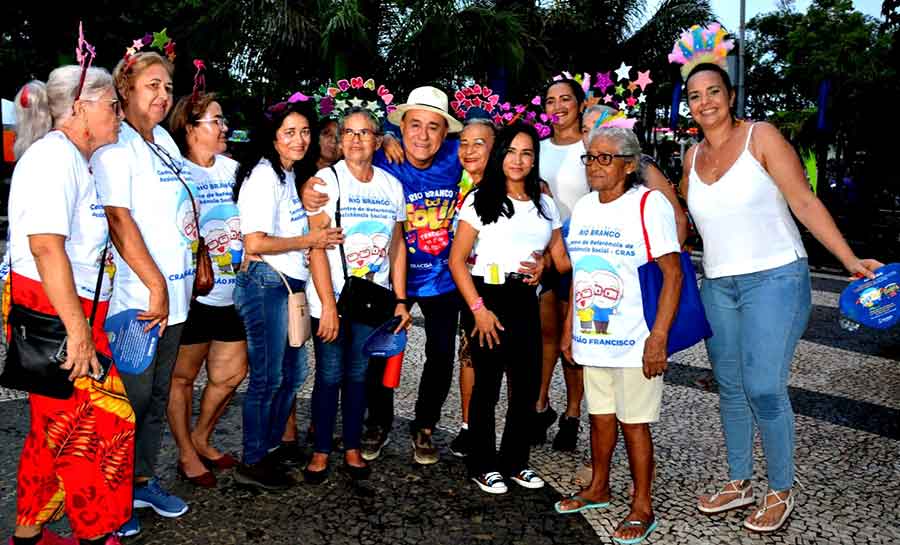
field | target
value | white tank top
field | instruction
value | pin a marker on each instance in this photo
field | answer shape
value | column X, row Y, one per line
column 561, row 168
column 743, row 219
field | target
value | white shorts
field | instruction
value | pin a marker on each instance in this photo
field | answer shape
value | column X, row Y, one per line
column 625, row 391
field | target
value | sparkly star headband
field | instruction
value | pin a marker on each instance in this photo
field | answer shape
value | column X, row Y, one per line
column 157, row 40
column 334, row 100
column 622, row 93
column 698, row 45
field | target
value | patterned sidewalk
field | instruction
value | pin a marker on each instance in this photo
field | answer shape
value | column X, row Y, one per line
column 845, row 389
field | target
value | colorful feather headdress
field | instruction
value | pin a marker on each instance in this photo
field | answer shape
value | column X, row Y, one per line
column 583, row 79
column 334, row 100
column 616, row 120
column 698, row 45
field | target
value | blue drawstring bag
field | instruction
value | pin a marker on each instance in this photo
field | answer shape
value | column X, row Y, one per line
column 690, row 325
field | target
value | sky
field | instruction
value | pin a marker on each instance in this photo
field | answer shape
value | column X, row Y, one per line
column 729, row 11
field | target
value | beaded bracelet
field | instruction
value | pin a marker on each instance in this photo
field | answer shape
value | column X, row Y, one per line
column 477, row 305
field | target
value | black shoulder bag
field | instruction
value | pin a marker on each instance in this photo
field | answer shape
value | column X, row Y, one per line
column 37, row 347
column 361, row 300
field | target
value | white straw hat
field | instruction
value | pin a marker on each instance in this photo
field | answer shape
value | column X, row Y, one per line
column 430, row 99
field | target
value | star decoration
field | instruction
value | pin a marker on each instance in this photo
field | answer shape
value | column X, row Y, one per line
column 620, row 90
column 607, row 99
column 631, row 101
column 604, row 81
column 170, row 50
column 371, row 105
column 623, row 71
column 160, row 39
column 130, row 51
column 356, row 102
column 137, row 44
column 643, row 79
column 340, row 104
column 642, row 99
column 632, row 86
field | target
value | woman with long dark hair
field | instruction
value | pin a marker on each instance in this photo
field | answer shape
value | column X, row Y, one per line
column 742, row 183
column 505, row 219
column 561, row 168
column 284, row 154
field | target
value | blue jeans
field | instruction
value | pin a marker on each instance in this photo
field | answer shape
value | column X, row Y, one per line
column 756, row 320
column 276, row 369
column 340, row 369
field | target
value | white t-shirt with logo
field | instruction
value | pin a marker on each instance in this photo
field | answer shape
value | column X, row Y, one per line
column 606, row 246
column 130, row 175
column 270, row 206
column 220, row 224
column 53, row 193
column 369, row 212
column 561, row 168
column 508, row 242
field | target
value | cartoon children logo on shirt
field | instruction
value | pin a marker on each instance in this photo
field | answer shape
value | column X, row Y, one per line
column 584, row 301
column 598, row 292
column 184, row 217
column 366, row 248
column 222, row 232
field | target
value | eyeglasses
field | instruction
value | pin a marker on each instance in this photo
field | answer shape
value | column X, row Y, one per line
column 220, row 121
column 113, row 102
column 603, row 159
column 363, row 134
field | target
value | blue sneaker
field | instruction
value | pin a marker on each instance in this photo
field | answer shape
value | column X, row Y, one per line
column 130, row 528
column 155, row 496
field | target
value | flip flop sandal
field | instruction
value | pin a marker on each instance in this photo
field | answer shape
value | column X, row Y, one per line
column 585, row 505
column 788, row 502
column 650, row 526
column 743, row 497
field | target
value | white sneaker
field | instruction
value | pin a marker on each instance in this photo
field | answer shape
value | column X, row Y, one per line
column 528, row 479
column 491, row 482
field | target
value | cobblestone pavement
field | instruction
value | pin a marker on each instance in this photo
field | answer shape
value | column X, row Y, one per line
column 845, row 388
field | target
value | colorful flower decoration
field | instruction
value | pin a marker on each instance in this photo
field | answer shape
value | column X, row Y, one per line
column 698, row 45
column 476, row 96
column 333, row 100
column 199, row 79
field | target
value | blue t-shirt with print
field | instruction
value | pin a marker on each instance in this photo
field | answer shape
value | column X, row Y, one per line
column 430, row 195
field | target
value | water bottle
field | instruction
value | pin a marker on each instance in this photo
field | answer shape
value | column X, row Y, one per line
column 236, row 248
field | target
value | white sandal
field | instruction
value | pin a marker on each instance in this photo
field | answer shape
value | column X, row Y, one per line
column 787, row 501
column 744, row 497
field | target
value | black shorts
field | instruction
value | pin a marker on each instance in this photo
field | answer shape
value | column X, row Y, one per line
column 206, row 323
column 560, row 284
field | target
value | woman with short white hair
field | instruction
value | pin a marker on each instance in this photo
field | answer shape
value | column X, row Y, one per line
column 78, row 453
column 614, row 230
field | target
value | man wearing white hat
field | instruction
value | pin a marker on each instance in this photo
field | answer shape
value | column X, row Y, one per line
column 430, row 174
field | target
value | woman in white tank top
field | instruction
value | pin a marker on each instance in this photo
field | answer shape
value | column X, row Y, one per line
column 741, row 184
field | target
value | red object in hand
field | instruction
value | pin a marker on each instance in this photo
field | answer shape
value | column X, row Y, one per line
column 391, row 377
